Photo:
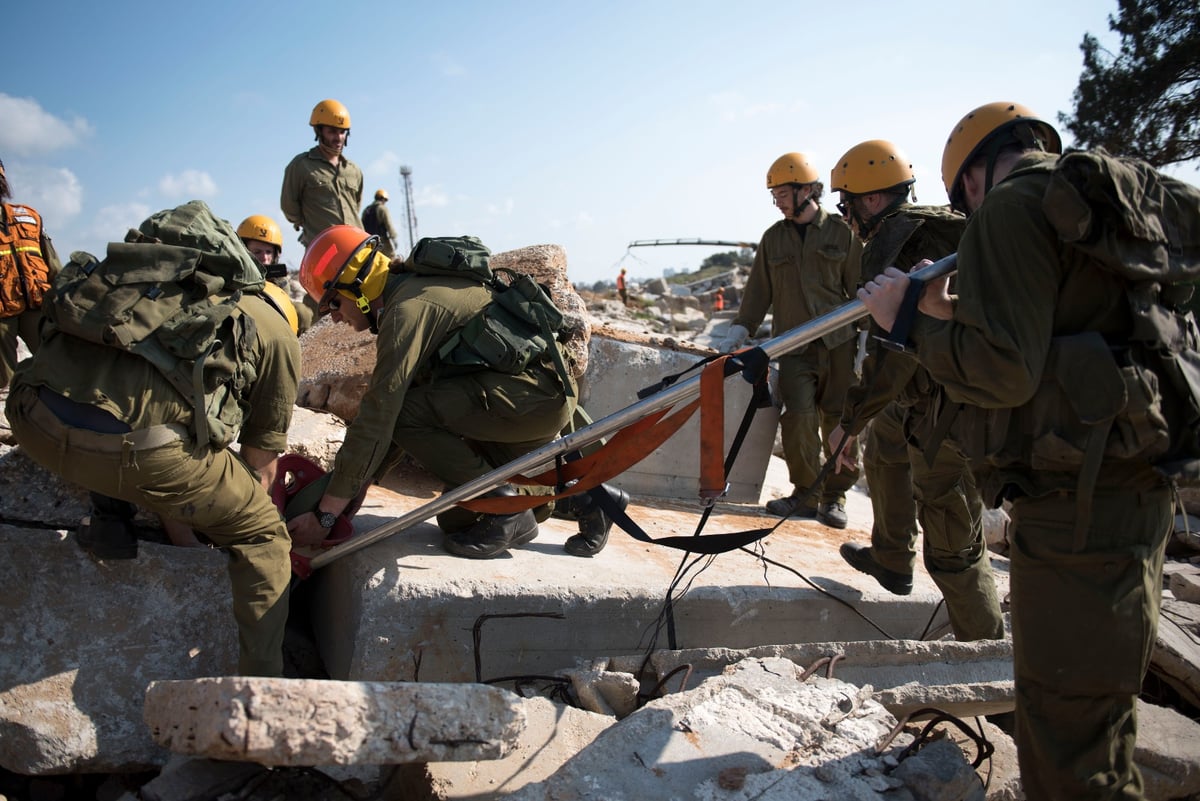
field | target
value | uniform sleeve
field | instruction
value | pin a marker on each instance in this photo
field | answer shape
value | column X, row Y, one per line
column 53, row 263
column 409, row 336
column 756, row 296
column 992, row 353
column 885, row 375
column 293, row 190
column 273, row 395
column 386, row 218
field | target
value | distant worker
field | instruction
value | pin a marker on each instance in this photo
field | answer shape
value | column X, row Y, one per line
column 123, row 427
column 622, row 290
column 719, row 300
column 264, row 240
column 28, row 264
column 806, row 265
column 321, row 187
column 458, row 425
column 377, row 222
column 903, row 405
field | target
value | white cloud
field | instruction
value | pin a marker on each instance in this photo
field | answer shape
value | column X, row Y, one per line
column 502, row 209
column 29, row 129
column 430, row 196
column 54, row 191
column 189, row 183
column 384, row 170
column 111, row 222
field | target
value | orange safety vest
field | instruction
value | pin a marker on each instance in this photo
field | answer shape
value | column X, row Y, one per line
column 620, row 280
column 24, row 273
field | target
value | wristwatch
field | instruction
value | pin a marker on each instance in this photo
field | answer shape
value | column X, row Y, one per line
column 326, row 519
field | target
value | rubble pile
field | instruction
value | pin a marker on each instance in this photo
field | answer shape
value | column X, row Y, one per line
column 106, row 668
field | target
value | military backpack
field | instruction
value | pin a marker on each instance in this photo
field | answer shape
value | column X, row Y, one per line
column 169, row 294
column 1144, row 227
column 520, row 326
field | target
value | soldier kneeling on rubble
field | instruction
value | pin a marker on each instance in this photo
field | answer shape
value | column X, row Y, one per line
column 101, row 404
column 457, row 425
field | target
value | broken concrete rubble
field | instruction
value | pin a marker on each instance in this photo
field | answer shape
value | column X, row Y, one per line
column 56, row 722
column 757, row 731
column 311, row 722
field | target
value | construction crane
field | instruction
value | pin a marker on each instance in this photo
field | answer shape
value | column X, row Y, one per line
column 640, row 243
column 410, row 213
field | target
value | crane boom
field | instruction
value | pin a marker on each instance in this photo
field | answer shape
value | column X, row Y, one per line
column 639, row 243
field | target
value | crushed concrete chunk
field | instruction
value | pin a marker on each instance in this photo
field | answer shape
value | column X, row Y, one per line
column 313, row 722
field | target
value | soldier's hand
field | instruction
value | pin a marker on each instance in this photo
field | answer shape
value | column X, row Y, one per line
column 846, row 457
column 306, row 530
column 882, row 296
column 733, row 339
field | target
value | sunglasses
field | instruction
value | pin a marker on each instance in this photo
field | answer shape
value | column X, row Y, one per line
column 843, row 207
column 333, row 304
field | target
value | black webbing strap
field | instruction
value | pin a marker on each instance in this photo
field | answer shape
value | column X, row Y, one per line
column 897, row 338
column 752, row 363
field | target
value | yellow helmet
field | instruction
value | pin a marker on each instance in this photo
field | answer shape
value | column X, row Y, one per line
column 871, row 166
column 331, row 113
column 980, row 125
column 791, row 168
column 381, row 194
column 346, row 260
column 262, row 228
column 278, row 297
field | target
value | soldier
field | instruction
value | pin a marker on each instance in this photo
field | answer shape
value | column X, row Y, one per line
column 321, row 187
column 110, row 421
column 902, row 403
column 459, row 426
column 1088, row 528
column 806, row 265
column 264, row 240
column 28, row 265
column 377, row 222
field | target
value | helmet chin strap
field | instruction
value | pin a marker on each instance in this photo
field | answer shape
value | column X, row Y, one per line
column 868, row 224
column 355, row 286
column 797, row 206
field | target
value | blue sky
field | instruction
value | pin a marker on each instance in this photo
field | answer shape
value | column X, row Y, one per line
column 585, row 125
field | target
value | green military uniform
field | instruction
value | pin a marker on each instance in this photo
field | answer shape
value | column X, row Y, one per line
column 150, row 458
column 459, row 427
column 317, row 194
column 948, row 501
column 802, row 272
column 378, row 222
column 1086, row 570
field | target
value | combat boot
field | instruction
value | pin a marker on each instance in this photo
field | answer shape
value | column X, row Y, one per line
column 594, row 524
column 492, row 535
column 109, row 532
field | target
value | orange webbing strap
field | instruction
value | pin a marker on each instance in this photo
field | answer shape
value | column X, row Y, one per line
column 712, row 430
column 626, row 448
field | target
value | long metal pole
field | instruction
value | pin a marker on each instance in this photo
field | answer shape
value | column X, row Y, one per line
column 682, row 391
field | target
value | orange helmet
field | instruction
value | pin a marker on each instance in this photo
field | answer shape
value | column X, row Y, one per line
column 346, row 260
column 871, row 166
column 791, row 168
column 331, row 113
column 262, row 228
column 278, row 298
column 979, row 126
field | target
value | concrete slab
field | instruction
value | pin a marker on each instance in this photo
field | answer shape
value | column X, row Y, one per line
column 404, row 610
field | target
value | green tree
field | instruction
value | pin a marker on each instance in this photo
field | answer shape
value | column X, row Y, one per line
column 729, row 259
column 1145, row 100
